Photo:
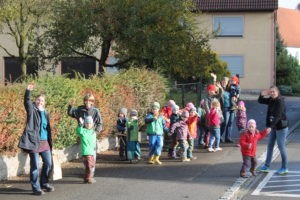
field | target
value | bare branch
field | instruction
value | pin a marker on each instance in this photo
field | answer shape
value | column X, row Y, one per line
column 83, row 54
column 8, row 53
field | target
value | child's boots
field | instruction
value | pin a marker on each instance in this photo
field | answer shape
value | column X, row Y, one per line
column 156, row 160
column 151, row 160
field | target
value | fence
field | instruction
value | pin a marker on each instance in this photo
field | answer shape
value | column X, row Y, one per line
column 182, row 93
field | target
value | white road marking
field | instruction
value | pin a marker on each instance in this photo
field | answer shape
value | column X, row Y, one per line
column 263, row 183
column 280, row 192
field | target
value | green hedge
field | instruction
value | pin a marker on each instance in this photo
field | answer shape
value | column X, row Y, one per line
column 133, row 88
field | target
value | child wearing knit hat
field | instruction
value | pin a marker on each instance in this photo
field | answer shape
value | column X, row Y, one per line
column 121, row 127
column 87, row 136
column 156, row 127
column 248, row 143
column 181, row 130
column 133, row 137
column 193, row 124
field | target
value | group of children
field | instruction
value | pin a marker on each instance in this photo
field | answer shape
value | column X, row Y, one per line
column 178, row 128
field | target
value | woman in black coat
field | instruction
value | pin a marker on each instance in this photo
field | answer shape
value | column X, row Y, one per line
column 277, row 120
column 37, row 141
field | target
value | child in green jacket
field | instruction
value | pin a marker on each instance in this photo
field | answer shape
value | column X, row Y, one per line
column 88, row 139
column 133, row 137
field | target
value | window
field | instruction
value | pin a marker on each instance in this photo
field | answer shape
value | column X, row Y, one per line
column 85, row 66
column 13, row 69
column 228, row 26
column 235, row 64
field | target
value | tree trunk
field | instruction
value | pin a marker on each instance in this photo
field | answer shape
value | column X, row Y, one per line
column 23, row 68
column 105, row 48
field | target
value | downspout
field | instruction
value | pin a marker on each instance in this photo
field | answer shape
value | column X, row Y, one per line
column 274, row 24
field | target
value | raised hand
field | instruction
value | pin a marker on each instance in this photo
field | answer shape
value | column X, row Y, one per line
column 72, row 102
column 268, row 130
column 81, row 120
column 265, row 93
column 30, row 86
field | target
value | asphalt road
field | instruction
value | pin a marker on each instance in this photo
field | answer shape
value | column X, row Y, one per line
column 206, row 178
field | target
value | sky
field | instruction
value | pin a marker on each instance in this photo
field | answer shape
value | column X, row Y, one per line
column 288, row 3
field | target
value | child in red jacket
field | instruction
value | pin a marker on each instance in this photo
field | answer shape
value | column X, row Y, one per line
column 248, row 142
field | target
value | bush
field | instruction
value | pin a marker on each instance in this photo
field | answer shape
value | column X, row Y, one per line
column 134, row 88
column 296, row 87
column 285, row 89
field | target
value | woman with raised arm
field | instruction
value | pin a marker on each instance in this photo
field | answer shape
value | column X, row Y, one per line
column 278, row 122
column 37, row 141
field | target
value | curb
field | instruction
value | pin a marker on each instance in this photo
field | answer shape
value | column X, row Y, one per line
column 230, row 192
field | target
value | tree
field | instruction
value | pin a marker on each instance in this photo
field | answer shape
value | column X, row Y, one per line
column 287, row 66
column 22, row 21
column 158, row 34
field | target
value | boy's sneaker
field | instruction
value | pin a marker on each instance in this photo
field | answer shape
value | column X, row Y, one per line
column 192, row 158
column 186, row 160
column 218, row 149
column 282, row 171
column 264, row 169
column 253, row 172
column 210, row 150
column 91, row 181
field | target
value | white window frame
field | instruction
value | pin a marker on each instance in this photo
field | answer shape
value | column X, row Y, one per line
column 218, row 33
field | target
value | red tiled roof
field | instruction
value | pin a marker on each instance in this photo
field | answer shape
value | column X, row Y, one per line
column 236, row 5
column 289, row 26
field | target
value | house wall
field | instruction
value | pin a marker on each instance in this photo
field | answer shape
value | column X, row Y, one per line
column 257, row 46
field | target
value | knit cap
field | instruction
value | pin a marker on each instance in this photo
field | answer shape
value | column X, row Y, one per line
column 211, row 87
column 133, row 112
column 251, row 122
column 175, row 107
column 189, row 105
column 123, row 111
column 185, row 113
column 242, row 103
column 171, row 103
column 193, row 109
column 88, row 119
column 155, row 105
column 236, row 79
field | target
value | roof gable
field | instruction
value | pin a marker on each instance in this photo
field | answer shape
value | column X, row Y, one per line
column 236, row 5
column 289, row 28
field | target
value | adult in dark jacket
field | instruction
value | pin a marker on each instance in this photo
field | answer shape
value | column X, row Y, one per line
column 277, row 120
column 85, row 110
column 37, row 140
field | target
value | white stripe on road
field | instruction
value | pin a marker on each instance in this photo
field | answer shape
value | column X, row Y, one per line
column 278, row 194
column 274, row 186
column 278, row 181
column 263, row 183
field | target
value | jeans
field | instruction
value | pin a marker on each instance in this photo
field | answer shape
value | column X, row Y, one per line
column 201, row 134
column 36, row 182
column 156, row 143
column 214, row 135
column 226, row 127
column 280, row 137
